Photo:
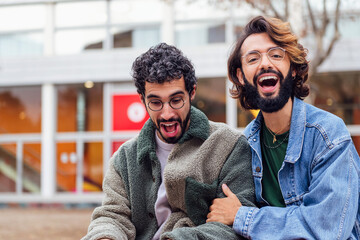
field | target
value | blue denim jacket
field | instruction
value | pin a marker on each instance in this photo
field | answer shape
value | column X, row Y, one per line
column 319, row 180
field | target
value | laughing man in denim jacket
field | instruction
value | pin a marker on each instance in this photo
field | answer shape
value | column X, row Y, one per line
column 304, row 163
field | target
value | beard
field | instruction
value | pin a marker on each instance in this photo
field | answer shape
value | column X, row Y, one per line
column 268, row 104
column 183, row 124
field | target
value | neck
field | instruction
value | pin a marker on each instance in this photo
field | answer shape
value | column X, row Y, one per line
column 279, row 122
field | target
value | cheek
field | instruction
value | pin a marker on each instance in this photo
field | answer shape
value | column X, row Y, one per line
column 184, row 113
column 249, row 73
column 154, row 117
column 285, row 67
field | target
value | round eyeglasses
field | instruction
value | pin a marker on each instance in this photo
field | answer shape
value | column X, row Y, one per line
column 175, row 103
column 275, row 55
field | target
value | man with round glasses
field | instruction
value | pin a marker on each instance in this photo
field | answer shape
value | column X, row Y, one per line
column 160, row 184
column 304, row 163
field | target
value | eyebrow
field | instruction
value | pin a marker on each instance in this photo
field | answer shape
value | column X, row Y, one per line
column 252, row 51
column 173, row 94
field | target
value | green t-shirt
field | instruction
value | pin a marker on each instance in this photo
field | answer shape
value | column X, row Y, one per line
column 273, row 155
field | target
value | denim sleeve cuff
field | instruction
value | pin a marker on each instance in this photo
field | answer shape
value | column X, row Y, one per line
column 243, row 220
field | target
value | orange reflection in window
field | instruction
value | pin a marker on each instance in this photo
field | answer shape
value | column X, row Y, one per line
column 20, row 109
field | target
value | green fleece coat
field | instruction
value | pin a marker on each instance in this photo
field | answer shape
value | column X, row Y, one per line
column 208, row 155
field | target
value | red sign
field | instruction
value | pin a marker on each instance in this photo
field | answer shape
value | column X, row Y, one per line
column 129, row 112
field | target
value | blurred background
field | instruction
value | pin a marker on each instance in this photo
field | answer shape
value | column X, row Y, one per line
column 67, row 101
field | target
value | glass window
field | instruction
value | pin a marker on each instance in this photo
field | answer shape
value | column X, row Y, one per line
column 22, row 106
column 79, row 40
column 139, row 37
column 239, row 27
column 24, row 17
column 8, row 172
column 67, row 161
column 194, row 34
column 93, row 167
column 188, row 10
column 130, row 11
column 80, row 108
column 145, row 37
column 21, row 44
column 66, row 167
column 338, row 93
column 211, row 97
column 122, row 37
column 84, row 13
column 32, row 168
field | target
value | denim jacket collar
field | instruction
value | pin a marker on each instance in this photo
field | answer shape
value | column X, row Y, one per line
column 297, row 130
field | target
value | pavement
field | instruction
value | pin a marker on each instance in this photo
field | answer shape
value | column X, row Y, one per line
column 44, row 223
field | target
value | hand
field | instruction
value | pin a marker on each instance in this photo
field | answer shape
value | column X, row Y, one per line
column 224, row 209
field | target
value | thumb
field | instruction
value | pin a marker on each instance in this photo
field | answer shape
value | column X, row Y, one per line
column 227, row 190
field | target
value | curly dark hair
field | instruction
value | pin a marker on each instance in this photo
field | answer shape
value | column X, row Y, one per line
column 162, row 63
column 280, row 34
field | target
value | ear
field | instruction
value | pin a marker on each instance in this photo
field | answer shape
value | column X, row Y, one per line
column 239, row 75
column 193, row 93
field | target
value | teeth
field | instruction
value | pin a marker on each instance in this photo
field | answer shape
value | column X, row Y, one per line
column 267, row 77
column 168, row 125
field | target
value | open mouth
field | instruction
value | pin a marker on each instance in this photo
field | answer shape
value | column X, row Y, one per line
column 268, row 81
column 170, row 129
column 268, row 84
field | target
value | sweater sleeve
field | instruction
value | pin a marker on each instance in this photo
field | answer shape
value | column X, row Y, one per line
column 236, row 173
column 112, row 219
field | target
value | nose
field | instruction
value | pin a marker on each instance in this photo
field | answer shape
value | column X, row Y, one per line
column 167, row 112
column 265, row 62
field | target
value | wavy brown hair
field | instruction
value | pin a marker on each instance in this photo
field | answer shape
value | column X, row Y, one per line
column 281, row 35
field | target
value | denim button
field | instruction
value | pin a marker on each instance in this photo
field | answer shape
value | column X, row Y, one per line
column 257, row 169
column 254, row 139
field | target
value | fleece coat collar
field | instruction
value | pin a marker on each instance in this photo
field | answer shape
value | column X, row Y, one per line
column 199, row 128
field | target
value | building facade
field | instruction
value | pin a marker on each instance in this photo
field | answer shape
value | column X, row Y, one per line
column 67, row 101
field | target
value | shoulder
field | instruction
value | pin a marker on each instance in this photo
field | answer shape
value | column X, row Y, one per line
column 129, row 145
column 223, row 130
column 331, row 127
column 125, row 152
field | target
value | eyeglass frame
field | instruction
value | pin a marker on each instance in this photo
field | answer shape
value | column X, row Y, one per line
column 168, row 102
column 267, row 55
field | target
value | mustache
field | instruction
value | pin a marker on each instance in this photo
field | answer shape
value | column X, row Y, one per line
column 262, row 71
column 169, row 120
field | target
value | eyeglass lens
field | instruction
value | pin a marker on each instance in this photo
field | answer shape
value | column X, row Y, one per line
column 175, row 103
column 275, row 55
